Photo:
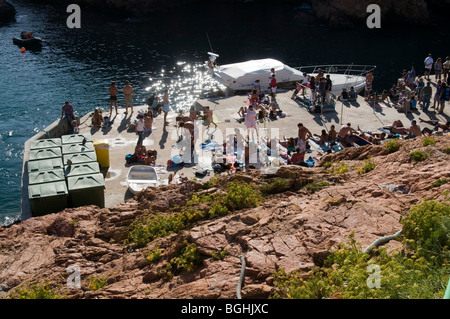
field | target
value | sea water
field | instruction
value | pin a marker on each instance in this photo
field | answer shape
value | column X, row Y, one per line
column 166, row 51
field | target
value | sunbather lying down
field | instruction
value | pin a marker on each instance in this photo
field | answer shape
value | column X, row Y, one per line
column 142, row 155
column 397, row 128
column 437, row 124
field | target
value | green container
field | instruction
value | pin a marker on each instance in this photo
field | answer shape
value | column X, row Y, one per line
column 79, row 158
column 46, row 176
column 87, row 190
column 82, row 169
column 45, row 143
column 77, row 148
column 45, row 165
column 44, row 153
column 75, row 138
column 48, row 198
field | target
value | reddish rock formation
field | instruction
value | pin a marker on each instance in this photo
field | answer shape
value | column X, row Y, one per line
column 291, row 230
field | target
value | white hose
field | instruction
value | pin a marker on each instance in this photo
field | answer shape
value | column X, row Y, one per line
column 382, row 241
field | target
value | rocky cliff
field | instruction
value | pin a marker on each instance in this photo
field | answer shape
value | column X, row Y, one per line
column 7, row 12
column 333, row 12
column 291, row 228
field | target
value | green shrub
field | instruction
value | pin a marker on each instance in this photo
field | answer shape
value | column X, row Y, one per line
column 440, row 182
column 339, row 168
column 219, row 255
column 420, row 273
column 369, row 165
column 418, row 156
column 277, row 185
column 392, row 145
column 188, row 258
column 97, row 282
column 35, row 290
column 428, row 140
column 153, row 256
column 315, row 186
column 150, row 226
column 241, row 195
column 427, row 230
column 327, row 165
column 447, row 150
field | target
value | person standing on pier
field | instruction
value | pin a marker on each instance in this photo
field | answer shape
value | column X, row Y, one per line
column 128, row 93
column 67, row 112
column 166, row 106
column 113, row 96
column 428, row 65
column 140, row 127
column 303, row 135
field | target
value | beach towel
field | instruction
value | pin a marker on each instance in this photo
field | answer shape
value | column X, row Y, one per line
column 211, row 146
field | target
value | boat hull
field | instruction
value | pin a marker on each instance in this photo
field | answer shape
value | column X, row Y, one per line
column 33, row 42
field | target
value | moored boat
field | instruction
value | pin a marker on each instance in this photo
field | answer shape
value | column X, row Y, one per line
column 240, row 77
column 27, row 39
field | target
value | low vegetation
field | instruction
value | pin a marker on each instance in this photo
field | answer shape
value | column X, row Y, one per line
column 419, row 270
column 36, row 290
column 188, row 259
column 97, row 282
column 418, row 156
column 238, row 195
column 392, row 145
column 428, row 140
column 367, row 166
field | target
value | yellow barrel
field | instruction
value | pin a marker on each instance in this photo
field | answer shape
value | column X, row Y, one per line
column 102, row 151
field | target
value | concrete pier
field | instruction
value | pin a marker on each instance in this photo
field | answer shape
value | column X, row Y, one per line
column 122, row 138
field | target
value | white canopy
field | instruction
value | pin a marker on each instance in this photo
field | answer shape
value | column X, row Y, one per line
column 241, row 76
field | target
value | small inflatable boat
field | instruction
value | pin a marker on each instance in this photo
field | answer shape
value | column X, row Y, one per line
column 27, row 39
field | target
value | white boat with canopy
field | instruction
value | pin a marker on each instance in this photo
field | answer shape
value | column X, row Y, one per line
column 239, row 77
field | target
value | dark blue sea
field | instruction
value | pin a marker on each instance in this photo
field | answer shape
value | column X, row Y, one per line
column 167, row 50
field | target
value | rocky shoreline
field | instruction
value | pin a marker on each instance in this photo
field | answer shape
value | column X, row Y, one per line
column 338, row 13
column 7, row 12
column 291, row 229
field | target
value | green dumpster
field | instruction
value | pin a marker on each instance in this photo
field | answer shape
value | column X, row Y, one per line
column 45, row 165
column 87, row 190
column 45, row 143
column 78, row 158
column 75, row 138
column 44, row 153
column 77, row 148
column 48, row 198
column 50, row 176
column 88, row 168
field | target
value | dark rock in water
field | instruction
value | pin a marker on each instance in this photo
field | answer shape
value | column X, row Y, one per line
column 7, row 12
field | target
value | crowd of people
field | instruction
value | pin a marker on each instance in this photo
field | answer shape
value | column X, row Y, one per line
column 411, row 92
column 414, row 91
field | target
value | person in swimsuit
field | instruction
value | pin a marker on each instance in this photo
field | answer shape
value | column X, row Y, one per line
column 113, row 96
column 303, row 135
column 166, row 106
column 128, row 93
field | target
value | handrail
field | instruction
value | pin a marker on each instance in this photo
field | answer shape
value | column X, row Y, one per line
column 351, row 69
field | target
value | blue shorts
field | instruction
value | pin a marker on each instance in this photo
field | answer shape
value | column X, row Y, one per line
column 166, row 108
